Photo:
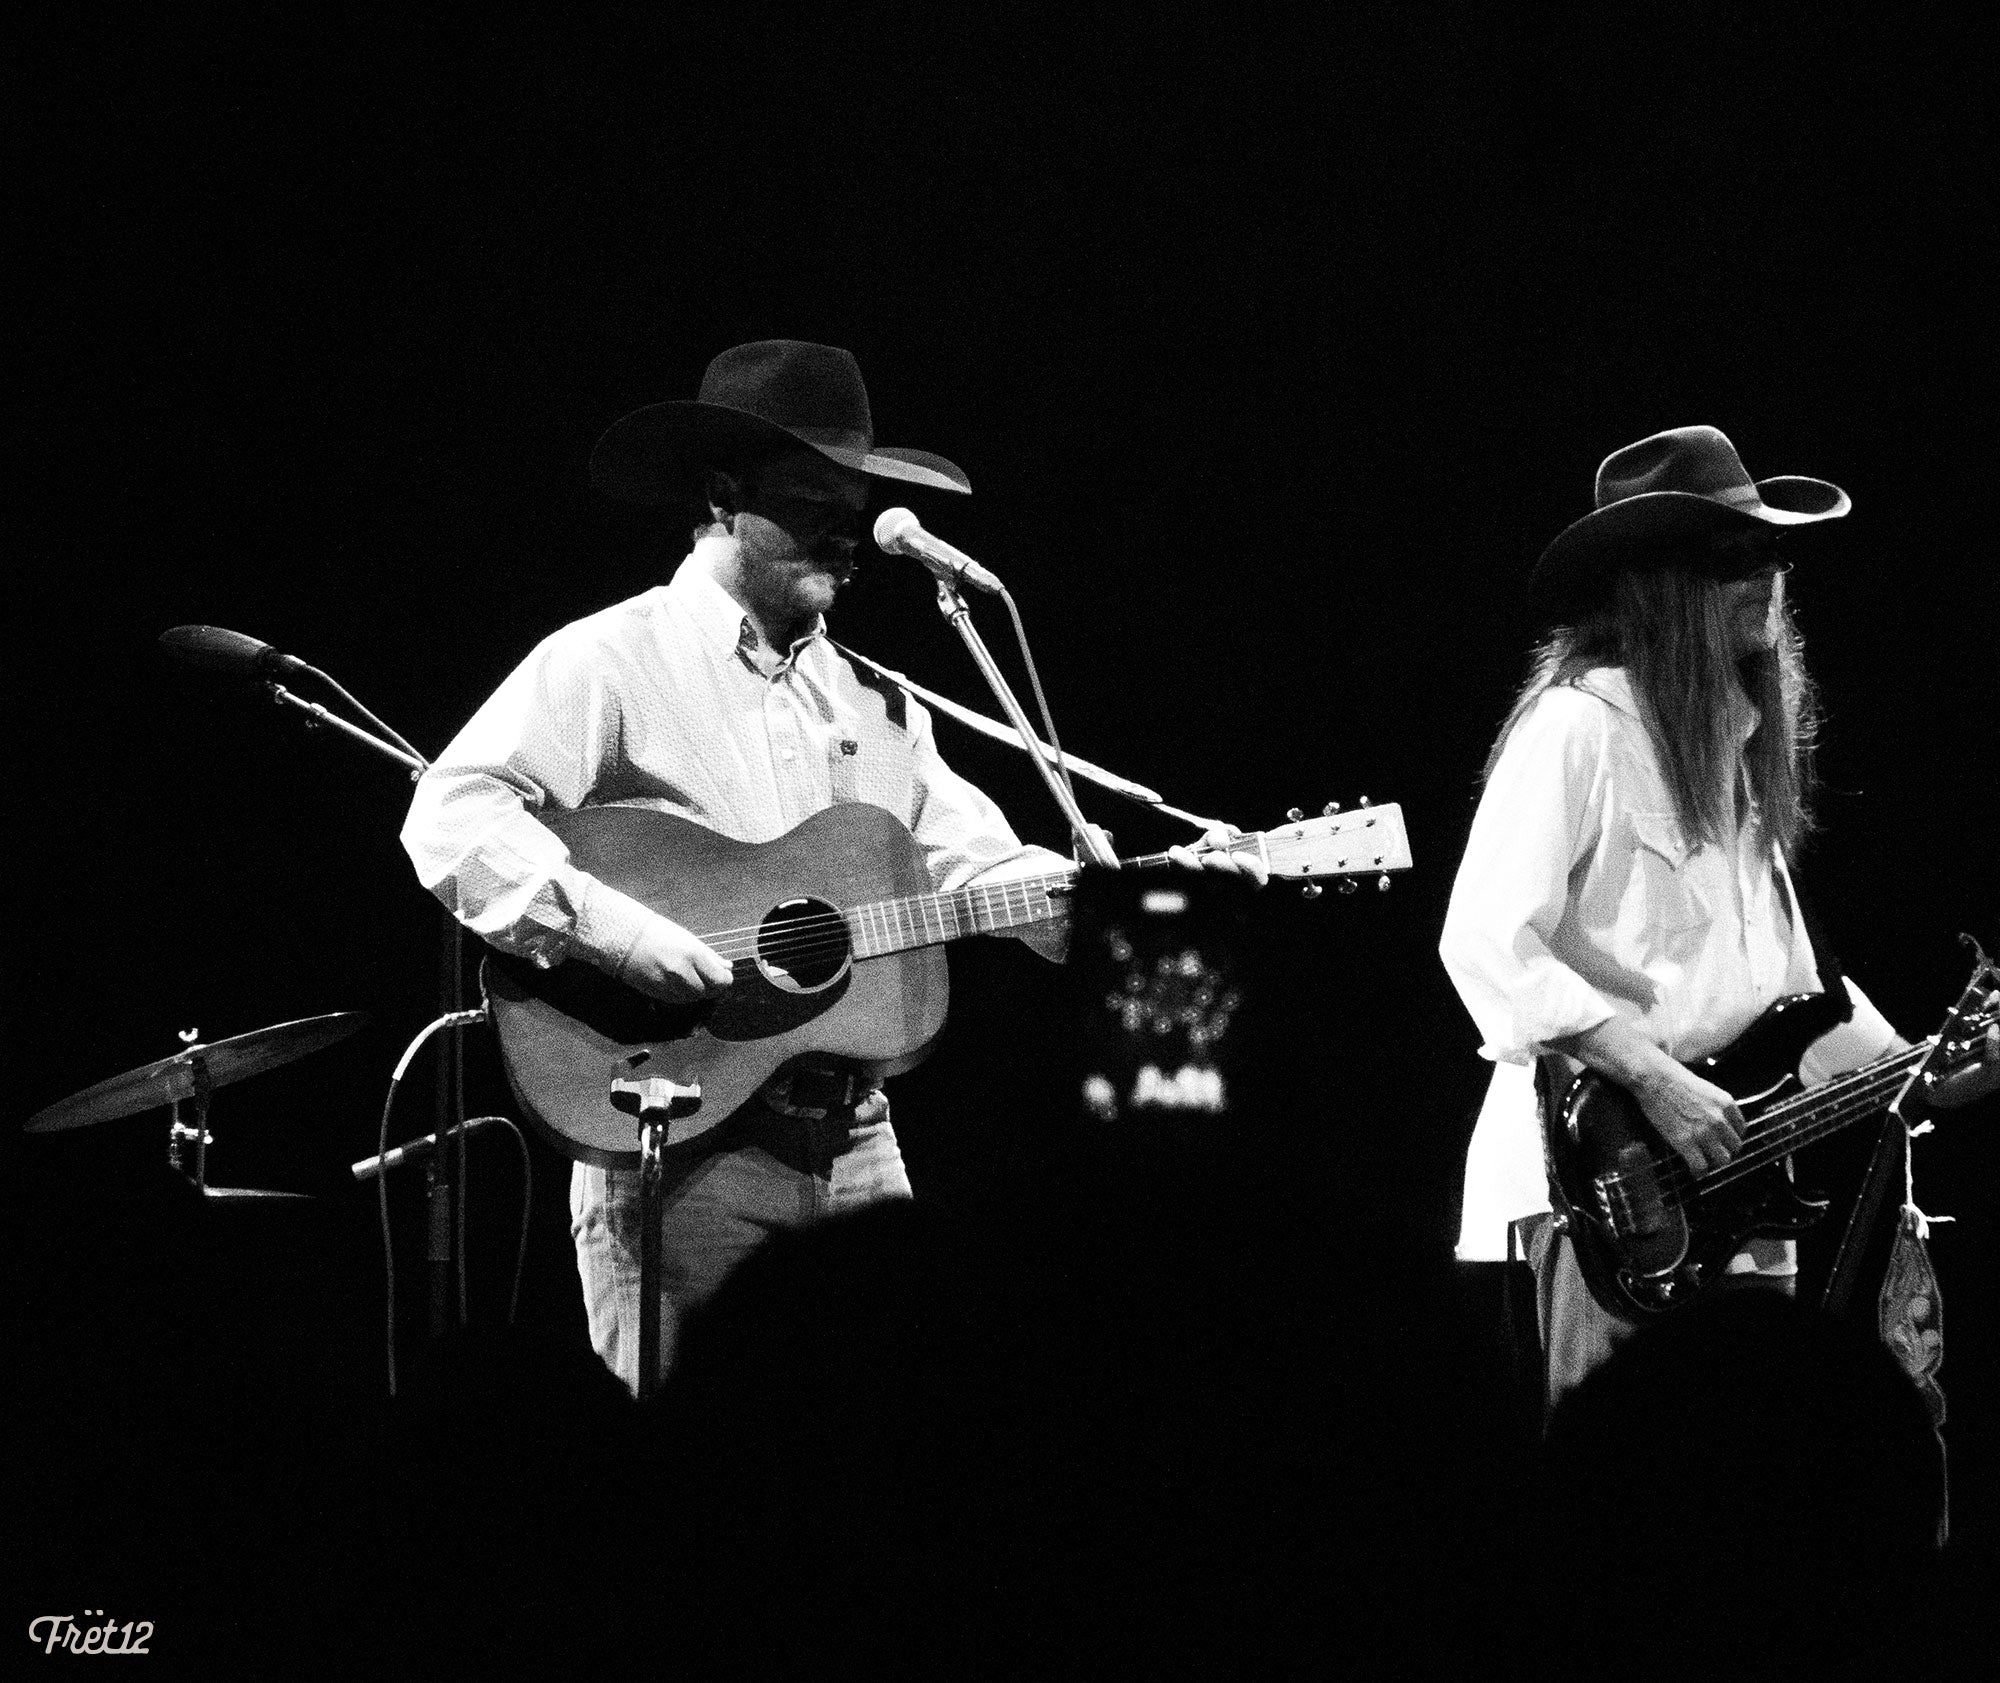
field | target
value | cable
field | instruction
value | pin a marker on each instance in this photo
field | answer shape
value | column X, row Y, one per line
column 394, row 736
column 451, row 1019
column 1035, row 683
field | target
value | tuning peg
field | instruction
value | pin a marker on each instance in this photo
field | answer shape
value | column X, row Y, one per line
column 1293, row 815
column 1348, row 885
column 1329, row 809
column 1382, row 883
column 1312, row 891
column 1365, row 800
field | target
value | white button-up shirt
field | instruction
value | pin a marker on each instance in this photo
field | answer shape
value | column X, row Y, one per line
column 657, row 702
column 1578, row 899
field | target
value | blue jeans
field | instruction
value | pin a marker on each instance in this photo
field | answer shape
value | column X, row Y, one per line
column 726, row 1192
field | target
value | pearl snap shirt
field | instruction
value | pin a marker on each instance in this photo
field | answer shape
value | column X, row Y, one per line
column 1579, row 899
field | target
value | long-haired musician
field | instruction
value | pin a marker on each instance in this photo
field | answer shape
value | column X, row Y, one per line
column 1625, row 897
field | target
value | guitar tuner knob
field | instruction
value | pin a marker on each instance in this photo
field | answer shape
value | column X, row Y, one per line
column 1293, row 815
column 1329, row 809
column 1312, row 891
column 1365, row 801
column 1382, row 883
column 1348, row 885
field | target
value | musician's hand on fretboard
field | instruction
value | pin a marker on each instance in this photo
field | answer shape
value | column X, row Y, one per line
column 1976, row 1080
column 1213, row 854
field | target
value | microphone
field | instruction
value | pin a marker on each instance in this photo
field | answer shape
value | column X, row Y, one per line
column 369, row 1167
column 898, row 532
column 217, row 650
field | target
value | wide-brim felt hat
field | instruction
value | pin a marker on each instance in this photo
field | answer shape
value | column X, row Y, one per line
column 1685, row 483
column 756, row 399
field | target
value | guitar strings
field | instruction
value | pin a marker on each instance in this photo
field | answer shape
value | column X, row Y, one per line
column 824, row 931
column 1840, row 1101
column 1846, row 1097
column 1676, row 1178
column 1865, row 1084
column 948, row 906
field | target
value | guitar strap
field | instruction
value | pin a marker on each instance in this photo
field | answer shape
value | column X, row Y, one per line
column 1825, row 960
column 881, row 681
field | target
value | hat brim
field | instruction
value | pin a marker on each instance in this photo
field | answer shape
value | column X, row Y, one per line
column 656, row 455
column 1575, row 570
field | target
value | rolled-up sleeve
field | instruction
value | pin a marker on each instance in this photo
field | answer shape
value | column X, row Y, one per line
column 1537, row 820
column 539, row 742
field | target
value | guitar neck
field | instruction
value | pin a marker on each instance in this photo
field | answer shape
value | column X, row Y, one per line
column 927, row 920
column 1839, row 1103
column 880, row 927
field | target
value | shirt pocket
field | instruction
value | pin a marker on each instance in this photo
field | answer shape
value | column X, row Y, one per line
column 872, row 765
column 1664, row 875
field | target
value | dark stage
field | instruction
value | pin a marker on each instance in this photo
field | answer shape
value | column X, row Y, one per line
column 1275, row 353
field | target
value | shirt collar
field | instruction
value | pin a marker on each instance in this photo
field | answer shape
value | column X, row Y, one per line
column 724, row 627
column 1613, row 685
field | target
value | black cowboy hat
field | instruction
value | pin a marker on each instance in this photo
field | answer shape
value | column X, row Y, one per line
column 1681, row 484
column 754, row 399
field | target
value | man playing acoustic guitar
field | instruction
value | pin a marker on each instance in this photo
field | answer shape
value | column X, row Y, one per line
column 1624, row 899
column 716, row 697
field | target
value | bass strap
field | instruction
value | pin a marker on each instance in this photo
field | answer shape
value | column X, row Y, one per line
column 1825, row 960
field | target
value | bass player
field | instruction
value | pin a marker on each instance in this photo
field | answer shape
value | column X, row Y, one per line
column 1625, row 898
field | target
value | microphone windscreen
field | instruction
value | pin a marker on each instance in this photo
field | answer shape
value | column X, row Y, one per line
column 893, row 526
column 214, row 648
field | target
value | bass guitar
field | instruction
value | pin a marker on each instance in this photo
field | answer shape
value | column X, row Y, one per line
column 835, row 939
column 1650, row 1233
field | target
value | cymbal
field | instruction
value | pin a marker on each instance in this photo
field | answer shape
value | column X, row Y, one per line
column 173, row 1079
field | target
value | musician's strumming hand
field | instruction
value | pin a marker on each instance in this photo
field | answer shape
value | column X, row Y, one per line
column 671, row 964
column 1212, row 854
column 1694, row 1116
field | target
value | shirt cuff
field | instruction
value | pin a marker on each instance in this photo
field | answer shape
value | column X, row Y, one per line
column 1575, row 1008
column 1864, row 1037
column 608, row 926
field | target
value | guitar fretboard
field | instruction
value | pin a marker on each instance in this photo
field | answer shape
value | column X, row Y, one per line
column 928, row 920
column 1826, row 1109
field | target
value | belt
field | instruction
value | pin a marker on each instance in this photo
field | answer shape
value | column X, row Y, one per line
column 811, row 1094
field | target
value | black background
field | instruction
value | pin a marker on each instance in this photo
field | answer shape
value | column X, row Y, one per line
column 1275, row 349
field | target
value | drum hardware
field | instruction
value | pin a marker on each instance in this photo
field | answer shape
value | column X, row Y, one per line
column 190, row 1076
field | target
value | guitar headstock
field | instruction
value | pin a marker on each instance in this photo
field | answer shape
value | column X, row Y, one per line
column 1962, row 1040
column 1369, row 841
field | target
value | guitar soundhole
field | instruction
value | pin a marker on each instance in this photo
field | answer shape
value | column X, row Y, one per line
column 802, row 946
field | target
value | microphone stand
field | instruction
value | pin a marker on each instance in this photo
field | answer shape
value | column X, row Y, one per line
column 1089, row 843
column 445, row 1224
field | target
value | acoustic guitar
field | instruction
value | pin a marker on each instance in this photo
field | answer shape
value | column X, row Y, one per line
column 835, row 937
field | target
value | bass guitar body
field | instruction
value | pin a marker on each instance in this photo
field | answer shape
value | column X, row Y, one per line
column 1648, row 1234
column 775, row 909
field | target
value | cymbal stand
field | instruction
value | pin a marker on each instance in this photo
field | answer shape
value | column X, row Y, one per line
column 951, row 604
column 179, row 1134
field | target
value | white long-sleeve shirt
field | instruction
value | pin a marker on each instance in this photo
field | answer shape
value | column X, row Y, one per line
column 1578, row 899
column 656, row 702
